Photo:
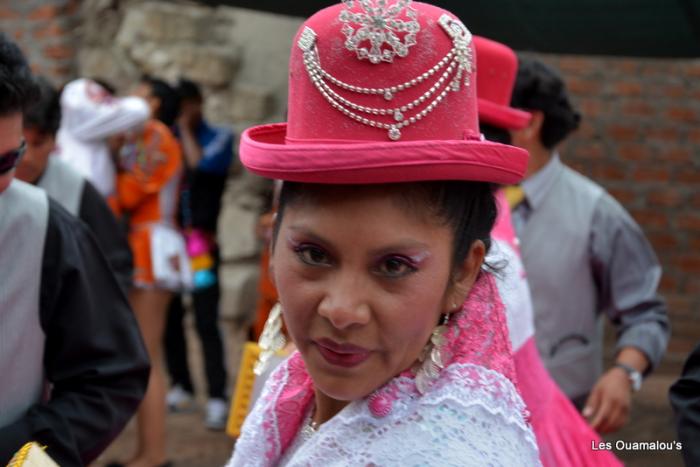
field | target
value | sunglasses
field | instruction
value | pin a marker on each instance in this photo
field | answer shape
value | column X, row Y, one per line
column 9, row 160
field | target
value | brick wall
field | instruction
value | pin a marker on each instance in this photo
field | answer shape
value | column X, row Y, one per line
column 640, row 139
column 45, row 30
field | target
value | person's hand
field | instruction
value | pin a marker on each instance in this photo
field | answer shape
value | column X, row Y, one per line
column 184, row 122
column 608, row 406
column 188, row 118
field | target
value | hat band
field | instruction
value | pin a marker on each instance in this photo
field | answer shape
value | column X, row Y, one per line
column 459, row 66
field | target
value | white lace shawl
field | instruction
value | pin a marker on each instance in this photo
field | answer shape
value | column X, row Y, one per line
column 472, row 417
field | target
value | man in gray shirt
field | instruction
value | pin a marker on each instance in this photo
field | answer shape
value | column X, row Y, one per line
column 585, row 256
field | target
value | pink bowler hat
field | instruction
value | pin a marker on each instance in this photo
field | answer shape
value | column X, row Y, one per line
column 498, row 67
column 381, row 91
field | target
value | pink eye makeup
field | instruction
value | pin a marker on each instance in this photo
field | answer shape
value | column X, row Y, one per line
column 395, row 266
column 393, row 262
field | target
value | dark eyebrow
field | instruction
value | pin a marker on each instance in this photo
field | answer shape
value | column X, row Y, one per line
column 401, row 245
column 300, row 229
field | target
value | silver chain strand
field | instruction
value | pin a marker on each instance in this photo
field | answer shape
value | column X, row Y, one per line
column 458, row 59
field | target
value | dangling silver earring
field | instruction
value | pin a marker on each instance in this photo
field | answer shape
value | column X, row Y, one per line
column 271, row 340
column 433, row 357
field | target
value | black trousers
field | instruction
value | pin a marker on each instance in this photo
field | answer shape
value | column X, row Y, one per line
column 206, row 315
column 580, row 401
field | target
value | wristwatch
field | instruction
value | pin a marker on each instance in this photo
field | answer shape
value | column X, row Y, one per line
column 634, row 376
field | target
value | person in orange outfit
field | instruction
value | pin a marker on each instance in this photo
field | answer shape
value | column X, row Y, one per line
column 267, row 293
column 149, row 165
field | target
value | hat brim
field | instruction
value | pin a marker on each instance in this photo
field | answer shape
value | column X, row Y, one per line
column 502, row 116
column 265, row 151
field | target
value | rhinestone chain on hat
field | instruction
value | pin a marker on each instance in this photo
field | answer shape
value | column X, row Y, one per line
column 396, row 112
column 457, row 64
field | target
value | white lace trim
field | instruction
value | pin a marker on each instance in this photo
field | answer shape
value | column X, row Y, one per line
column 273, row 401
column 477, row 412
column 490, row 390
column 250, row 448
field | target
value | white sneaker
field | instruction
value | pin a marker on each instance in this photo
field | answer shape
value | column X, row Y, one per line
column 179, row 400
column 216, row 414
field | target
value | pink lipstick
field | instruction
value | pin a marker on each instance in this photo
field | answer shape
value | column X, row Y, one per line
column 345, row 355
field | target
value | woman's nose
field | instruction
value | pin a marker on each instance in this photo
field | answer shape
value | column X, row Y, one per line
column 344, row 304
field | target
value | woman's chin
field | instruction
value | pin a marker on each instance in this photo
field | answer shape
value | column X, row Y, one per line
column 340, row 391
column 342, row 387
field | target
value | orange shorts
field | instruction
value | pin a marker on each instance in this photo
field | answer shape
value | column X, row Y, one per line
column 140, row 242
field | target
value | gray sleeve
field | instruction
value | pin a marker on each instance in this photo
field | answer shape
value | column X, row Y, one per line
column 627, row 274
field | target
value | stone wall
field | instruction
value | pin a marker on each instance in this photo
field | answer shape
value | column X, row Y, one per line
column 639, row 138
column 239, row 57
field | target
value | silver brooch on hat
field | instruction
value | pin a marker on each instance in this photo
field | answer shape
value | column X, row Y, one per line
column 449, row 74
column 379, row 23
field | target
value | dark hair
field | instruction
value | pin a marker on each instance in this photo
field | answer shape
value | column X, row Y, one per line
column 539, row 87
column 169, row 99
column 188, row 90
column 495, row 134
column 106, row 85
column 18, row 88
column 44, row 114
column 468, row 208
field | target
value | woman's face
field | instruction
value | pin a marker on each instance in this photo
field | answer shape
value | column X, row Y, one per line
column 362, row 281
